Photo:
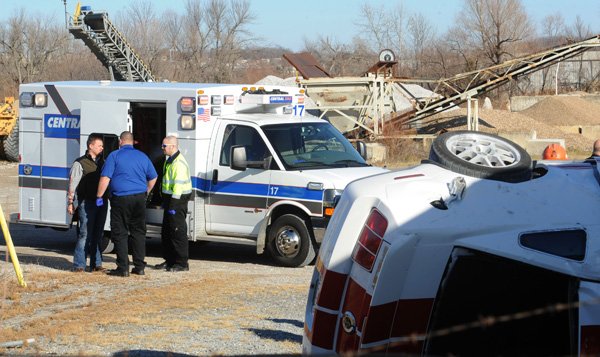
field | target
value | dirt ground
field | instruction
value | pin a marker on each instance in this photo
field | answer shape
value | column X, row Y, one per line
column 232, row 301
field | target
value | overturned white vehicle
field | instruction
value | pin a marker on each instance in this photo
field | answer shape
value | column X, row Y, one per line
column 477, row 251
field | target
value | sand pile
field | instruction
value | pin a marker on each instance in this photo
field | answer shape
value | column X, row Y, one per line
column 565, row 110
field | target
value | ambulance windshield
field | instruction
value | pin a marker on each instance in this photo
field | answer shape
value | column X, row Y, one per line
column 305, row 146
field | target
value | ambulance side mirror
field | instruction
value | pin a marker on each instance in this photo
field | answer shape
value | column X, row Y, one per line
column 361, row 147
column 237, row 158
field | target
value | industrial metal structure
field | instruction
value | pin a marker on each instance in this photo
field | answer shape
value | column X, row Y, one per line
column 109, row 45
column 379, row 97
column 461, row 87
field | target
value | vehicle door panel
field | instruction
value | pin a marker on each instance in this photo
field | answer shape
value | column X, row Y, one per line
column 237, row 200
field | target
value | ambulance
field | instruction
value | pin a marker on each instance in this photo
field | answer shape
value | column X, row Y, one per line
column 264, row 172
column 478, row 251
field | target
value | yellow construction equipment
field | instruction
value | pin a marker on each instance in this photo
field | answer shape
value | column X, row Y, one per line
column 9, row 133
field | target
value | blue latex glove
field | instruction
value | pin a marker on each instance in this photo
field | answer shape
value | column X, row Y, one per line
column 99, row 202
column 171, row 212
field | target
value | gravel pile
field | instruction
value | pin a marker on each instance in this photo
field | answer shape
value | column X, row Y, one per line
column 545, row 118
column 565, row 110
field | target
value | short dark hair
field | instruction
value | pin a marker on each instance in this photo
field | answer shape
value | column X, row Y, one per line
column 126, row 136
column 92, row 138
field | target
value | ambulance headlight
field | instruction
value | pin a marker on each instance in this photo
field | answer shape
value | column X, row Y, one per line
column 187, row 122
column 40, row 99
column 26, row 99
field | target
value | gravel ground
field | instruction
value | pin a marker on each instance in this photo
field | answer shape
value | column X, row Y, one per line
column 231, row 302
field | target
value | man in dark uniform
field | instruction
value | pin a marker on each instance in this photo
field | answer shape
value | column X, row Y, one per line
column 83, row 184
column 131, row 176
column 176, row 192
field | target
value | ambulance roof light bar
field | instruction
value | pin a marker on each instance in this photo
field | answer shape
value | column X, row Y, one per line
column 261, row 90
column 261, row 96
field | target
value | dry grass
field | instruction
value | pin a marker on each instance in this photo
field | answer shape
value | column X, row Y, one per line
column 401, row 152
column 65, row 307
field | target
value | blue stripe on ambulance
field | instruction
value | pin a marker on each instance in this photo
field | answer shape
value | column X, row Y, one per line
column 273, row 192
column 257, row 189
column 313, row 200
column 45, row 171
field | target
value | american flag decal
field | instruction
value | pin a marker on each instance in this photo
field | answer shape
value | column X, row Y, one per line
column 204, row 114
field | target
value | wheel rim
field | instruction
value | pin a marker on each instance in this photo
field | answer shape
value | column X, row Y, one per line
column 287, row 242
column 483, row 150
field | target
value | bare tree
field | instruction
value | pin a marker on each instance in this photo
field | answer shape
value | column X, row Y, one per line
column 145, row 31
column 229, row 35
column 214, row 35
column 384, row 28
column 580, row 31
column 333, row 55
column 554, row 31
column 553, row 27
column 27, row 44
column 493, row 27
column 173, row 26
column 420, row 37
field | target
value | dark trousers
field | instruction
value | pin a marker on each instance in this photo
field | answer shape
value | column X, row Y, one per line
column 174, row 237
column 128, row 217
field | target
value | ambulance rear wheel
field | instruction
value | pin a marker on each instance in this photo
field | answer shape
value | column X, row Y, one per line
column 289, row 241
column 107, row 245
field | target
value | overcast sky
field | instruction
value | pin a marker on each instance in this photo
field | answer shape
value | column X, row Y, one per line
column 287, row 23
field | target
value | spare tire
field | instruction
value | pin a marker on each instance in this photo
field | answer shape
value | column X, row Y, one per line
column 481, row 155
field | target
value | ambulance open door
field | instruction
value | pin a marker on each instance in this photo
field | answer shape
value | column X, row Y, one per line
column 103, row 118
column 108, row 119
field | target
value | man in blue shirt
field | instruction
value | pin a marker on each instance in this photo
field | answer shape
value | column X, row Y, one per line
column 131, row 176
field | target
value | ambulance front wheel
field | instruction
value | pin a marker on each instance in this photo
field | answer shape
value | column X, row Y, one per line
column 289, row 241
column 107, row 245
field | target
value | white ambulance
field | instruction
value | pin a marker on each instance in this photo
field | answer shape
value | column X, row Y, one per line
column 264, row 172
column 477, row 252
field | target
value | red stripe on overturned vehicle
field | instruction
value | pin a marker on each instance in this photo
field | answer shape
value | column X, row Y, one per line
column 380, row 323
column 357, row 302
column 332, row 288
column 323, row 331
column 411, row 318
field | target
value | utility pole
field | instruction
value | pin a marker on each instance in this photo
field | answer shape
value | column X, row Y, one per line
column 66, row 14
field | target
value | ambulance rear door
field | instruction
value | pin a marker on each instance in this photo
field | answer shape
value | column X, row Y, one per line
column 106, row 118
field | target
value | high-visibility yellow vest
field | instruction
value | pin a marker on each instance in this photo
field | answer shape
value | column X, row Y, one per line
column 176, row 179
